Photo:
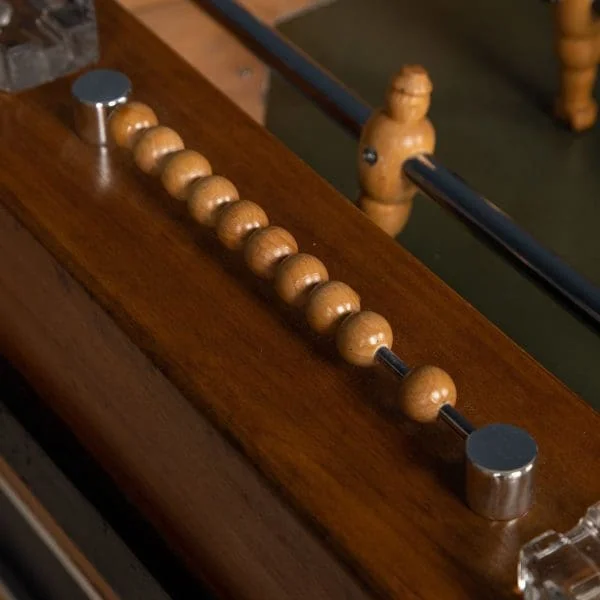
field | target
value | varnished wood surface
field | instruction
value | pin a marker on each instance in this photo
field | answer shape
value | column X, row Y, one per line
column 226, row 523
column 49, row 527
column 384, row 494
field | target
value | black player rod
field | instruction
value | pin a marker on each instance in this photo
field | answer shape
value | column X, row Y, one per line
column 305, row 74
column 456, row 421
column 504, row 234
column 392, row 362
column 440, row 184
column 448, row 414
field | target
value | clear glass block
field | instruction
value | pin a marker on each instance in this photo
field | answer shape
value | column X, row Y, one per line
column 42, row 40
column 563, row 566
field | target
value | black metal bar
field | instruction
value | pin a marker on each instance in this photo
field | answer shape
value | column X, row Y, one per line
column 452, row 417
column 500, row 231
column 459, row 423
column 482, row 217
column 393, row 362
column 304, row 73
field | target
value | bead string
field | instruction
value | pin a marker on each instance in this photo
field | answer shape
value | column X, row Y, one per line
column 271, row 252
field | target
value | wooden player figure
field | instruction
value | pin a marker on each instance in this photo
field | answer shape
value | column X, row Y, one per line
column 578, row 41
column 394, row 133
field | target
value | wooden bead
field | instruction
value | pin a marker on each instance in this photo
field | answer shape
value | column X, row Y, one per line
column 237, row 221
column 153, row 146
column 181, row 169
column 328, row 304
column 297, row 275
column 207, row 196
column 424, row 391
column 266, row 248
column 128, row 120
column 360, row 336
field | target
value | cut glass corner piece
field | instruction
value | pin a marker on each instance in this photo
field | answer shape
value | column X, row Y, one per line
column 563, row 566
column 43, row 40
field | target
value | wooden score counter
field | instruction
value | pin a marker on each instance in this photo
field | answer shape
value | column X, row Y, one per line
column 272, row 466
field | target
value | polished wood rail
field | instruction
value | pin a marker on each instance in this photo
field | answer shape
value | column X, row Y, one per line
column 300, row 279
column 274, row 468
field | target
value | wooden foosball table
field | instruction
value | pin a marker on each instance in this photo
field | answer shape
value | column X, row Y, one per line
column 265, row 374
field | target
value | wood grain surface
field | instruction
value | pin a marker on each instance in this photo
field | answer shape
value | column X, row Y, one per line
column 227, row 525
column 384, row 494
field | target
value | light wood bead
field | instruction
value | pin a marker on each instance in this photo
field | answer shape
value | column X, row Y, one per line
column 360, row 336
column 237, row 221
column 424, row 391
column 181, row 169
column 328, row 304
column 153, row 146
column 266, row 248
column 128, row 121
column 207, row 196
column 297, row 275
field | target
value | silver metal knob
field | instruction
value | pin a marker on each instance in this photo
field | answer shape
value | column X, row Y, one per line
column 96, row 94
column 501, row 461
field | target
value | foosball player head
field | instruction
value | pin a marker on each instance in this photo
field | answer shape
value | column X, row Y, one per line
column 409, row 95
